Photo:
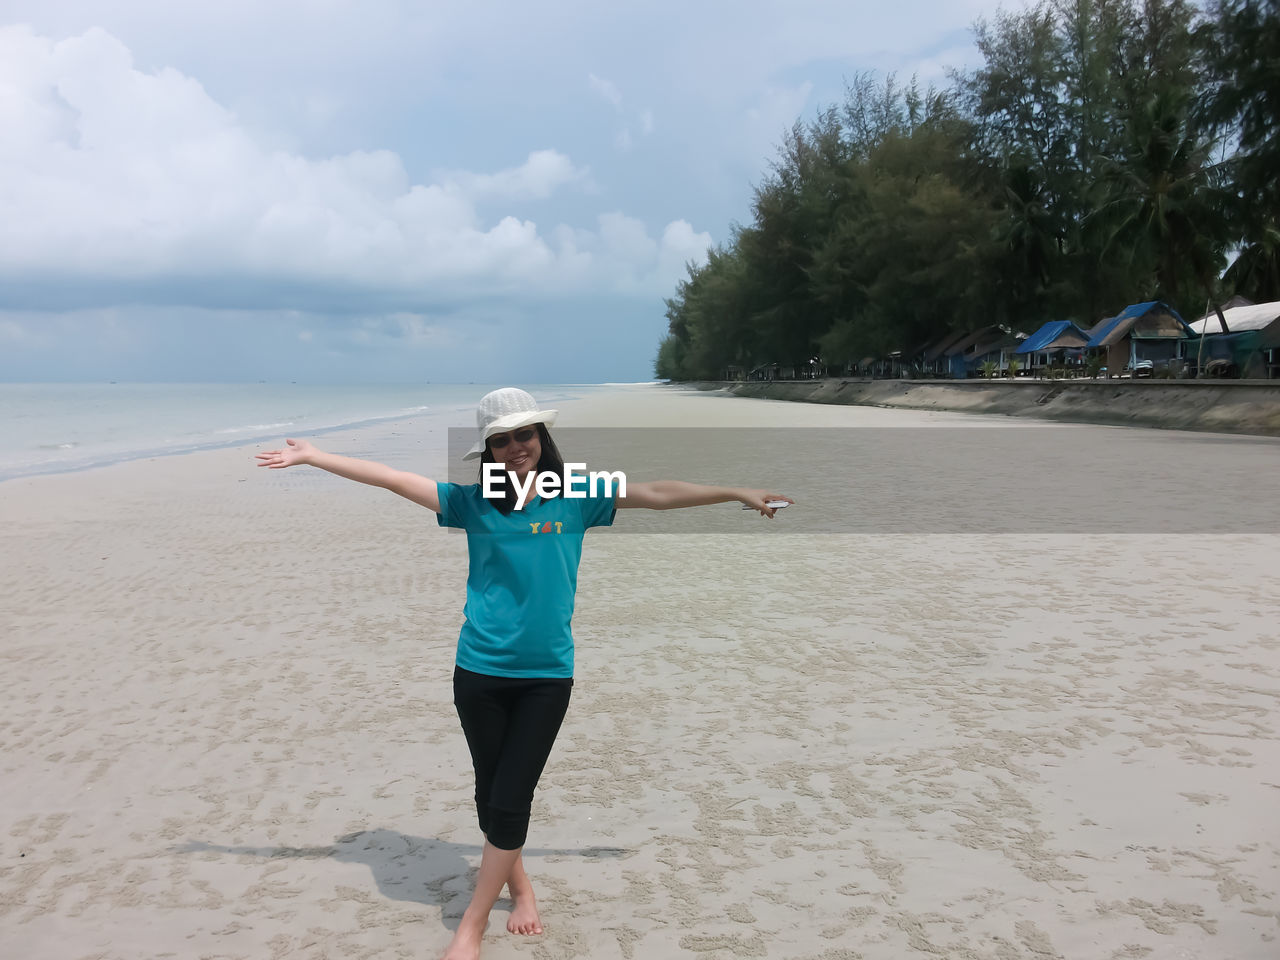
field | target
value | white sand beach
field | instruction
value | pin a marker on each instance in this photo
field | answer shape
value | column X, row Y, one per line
column 227, row 729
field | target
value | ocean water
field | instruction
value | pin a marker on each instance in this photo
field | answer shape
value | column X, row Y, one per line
column 61, row 427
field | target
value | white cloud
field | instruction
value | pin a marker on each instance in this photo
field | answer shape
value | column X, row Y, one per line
column 626, row 237
column 646, row 263
column 680, row 245
column 120, row 174
column 623, row 139
column 537, row 178
column 646, row 121
column 607, row 89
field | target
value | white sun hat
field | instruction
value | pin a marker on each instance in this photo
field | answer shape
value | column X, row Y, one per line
column 507, row 409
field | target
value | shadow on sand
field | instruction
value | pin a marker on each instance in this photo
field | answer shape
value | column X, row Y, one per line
column 415, row 869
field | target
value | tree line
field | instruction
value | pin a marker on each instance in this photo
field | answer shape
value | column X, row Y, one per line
column 1106, row 152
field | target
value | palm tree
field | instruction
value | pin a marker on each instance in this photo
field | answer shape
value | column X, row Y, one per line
column 1162, row 207
column 1241, row 43
column 1256, row 271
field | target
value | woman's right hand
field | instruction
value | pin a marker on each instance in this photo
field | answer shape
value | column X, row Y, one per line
column 296, row 452
column 759, row 500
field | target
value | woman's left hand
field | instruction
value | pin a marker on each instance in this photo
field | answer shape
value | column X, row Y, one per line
column 758, row 500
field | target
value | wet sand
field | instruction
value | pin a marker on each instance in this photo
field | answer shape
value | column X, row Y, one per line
column 227, row 726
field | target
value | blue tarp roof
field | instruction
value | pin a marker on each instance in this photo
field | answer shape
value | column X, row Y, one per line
column 1050, row 332
column 1138, row 309
column 1131, row 312
column 1105, row 327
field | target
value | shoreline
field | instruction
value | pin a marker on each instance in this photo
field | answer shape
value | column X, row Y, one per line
column 52, row 469
column 59, row 450
column 1243, row 407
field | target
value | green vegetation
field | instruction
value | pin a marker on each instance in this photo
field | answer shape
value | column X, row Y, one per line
column 1107, row 152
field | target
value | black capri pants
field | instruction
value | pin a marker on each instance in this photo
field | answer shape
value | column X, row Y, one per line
column 510, row 724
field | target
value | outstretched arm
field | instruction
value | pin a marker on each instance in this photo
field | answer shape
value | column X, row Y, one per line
column 411, row 486
column 673, row 494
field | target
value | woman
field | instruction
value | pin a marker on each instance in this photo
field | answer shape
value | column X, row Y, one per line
column 514, row 667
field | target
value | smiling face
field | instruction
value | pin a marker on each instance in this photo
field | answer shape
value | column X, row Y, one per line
column 517, row 450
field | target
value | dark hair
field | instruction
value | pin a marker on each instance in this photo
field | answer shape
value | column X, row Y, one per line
column 550, row 461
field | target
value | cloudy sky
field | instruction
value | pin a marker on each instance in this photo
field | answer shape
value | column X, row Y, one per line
column 396, row 190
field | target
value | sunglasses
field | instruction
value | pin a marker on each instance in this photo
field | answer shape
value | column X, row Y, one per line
column 521, row 436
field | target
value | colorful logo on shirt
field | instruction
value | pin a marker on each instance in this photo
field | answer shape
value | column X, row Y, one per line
column 535, row 527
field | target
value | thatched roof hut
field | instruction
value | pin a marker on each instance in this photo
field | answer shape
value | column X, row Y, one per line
column 1149, row 331
column 1053, row 336
column 932, row 357
column 958, row 354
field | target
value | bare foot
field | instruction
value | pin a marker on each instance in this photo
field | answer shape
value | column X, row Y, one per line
column 465, row 944
column 524, row 917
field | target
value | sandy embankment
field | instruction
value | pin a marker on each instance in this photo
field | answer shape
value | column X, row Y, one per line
column 1230, row 406
column 227, row 729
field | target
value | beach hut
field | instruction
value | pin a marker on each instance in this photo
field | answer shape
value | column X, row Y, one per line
column 957, row 355
column 889, row 366
column 812, row 369
column 1244, row 341
column 1141, row 337
column 1057, row 340
column 933, row 359
column 999, row 349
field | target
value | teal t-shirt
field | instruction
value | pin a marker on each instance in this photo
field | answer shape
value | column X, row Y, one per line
column 522, row 580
